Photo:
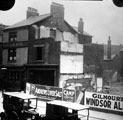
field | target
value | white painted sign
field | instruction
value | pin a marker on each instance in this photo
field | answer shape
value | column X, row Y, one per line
column 71, row 64
column 104, row 101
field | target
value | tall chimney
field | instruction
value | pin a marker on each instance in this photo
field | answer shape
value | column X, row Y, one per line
column 31, row 12
column 81, row 26
column 121, row 62
column 57, row 10
column 109, row 49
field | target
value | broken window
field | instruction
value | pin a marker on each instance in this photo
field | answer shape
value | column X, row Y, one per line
column 12, row 36
column 12, row 54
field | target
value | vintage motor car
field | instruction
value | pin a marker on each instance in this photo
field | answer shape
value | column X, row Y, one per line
column 63, row 110
column 17, row 106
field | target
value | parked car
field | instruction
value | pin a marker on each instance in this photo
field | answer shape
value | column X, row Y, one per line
column 64, row 110
column 17, row 106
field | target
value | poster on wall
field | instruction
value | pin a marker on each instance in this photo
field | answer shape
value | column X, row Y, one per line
column 47, row 92
column 104, row 101
column 68, row 95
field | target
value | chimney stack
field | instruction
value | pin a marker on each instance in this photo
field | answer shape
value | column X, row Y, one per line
column 121, row 62
column 109, row 49
column 31, row 12
column 57, row 10
column 81, row 26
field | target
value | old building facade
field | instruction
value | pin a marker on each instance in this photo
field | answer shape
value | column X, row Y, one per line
column 42, row 49
column 2, row 27
column 93, row 58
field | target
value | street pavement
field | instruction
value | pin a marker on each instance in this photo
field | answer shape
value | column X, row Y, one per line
column 94, row 115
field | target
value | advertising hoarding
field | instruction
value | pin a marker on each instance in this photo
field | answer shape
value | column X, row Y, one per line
column 104, row 101
column 68, row 95
column 50, row 92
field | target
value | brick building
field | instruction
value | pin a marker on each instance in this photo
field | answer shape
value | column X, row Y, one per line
column 112, row 63
column 42, row 49
column 93, row 58
column 83, row 37
column 2, row 27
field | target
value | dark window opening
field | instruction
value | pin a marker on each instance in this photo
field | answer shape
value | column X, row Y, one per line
column 52, row 33
column 13, row 76
column 39, row 51
column 12, row 55
column 12, row 36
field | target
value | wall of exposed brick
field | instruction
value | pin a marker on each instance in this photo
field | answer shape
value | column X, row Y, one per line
column 53, row 50
column 83, row 39
column 93, row 56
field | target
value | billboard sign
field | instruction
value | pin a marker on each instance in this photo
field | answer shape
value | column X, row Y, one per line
column 47, row 92
column 104, row 101
column 50, row 92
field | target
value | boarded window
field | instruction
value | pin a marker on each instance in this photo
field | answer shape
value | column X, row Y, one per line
column 44, row 32
column 52, row 33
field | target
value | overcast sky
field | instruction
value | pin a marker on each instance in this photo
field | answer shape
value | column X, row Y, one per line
column 101, row 18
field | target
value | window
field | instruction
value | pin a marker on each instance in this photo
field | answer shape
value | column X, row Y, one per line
column 39, row 53
column 12, row 36
column 36, row 31
column 12, row 55
column 13, row 76
column 52, row 33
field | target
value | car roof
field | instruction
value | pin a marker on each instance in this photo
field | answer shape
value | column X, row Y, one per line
column 20, row 95
column 69, row 105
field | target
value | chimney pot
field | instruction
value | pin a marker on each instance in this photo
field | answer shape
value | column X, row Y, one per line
column 32, row 12
column 109, row 48
column 81, row 26
column 57, row 10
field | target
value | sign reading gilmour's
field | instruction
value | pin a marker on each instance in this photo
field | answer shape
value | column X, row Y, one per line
column 104, row 101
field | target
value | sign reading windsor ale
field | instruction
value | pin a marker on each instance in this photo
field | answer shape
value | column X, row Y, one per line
column 104, row 101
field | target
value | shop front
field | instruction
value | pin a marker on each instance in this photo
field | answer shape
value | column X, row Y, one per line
column 12, row 78
column 42, row 74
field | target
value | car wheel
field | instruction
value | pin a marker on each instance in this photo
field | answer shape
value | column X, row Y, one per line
column 2, row 116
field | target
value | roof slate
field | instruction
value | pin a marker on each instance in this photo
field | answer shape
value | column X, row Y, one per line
column 29, row 21
column 34, row 19
column 85, row 33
